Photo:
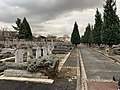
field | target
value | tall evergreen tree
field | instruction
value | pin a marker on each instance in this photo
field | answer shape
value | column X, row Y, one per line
column 19, row 28
column 97, row 28
column 110, row 32
column 75, row 36
column 88, row 35
column 27, row 30
column 23, row 28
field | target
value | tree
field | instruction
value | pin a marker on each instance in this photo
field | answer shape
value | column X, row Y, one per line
column 19, row 28
column 110, row 32
column 88, row 35
column 27, row 30
column 97, row 29
column 23, row 28
column 75, row 36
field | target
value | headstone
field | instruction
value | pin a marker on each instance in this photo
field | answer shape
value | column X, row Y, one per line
column 18, row 56
column 44, row 51
column 38, row 52
column 52, row 44
column 49, row 50
column 29, row 53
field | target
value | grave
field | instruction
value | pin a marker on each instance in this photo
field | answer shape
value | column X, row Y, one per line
column 60, row 50
column 43, row 65
column 18, row 56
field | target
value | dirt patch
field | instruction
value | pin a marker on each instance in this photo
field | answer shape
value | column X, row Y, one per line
column 67, row 73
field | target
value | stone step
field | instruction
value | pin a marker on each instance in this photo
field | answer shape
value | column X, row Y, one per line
column 36, row 80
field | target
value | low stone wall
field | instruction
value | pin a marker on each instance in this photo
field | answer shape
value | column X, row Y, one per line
column 23, row 73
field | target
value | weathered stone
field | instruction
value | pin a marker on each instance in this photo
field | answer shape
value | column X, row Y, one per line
column 18, row 56
column 19, row 66
column 23, row 73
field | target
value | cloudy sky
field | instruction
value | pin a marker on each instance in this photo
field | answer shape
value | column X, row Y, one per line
column 51, row 17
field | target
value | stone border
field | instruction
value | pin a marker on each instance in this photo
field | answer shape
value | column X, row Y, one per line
column 36, row 80
column 78, row 87
column 84, row 85
column 63, row 61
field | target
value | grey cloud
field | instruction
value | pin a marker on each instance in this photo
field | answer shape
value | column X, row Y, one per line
column 48, row 9
column 40, row 11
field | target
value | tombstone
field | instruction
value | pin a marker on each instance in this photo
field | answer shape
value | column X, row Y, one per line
column 29, row 53
column 44, row 51
column 49, row 50
column 38, row 52
column 52, row 44
column 18, row 56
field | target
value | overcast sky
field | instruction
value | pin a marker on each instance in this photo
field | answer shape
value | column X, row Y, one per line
column 54, row 17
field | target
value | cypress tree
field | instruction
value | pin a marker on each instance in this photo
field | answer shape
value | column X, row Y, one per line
column 110, row 32
column 19, row 28
column 27, row 30
column 23, row 28
column 88, row 35
column 97, row 28
column 75, row 36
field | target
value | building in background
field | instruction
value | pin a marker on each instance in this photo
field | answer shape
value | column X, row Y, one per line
column 64, row 38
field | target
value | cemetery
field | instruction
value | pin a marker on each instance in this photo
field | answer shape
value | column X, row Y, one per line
column 33, row 61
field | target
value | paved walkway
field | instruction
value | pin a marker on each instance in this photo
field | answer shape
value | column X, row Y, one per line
column 114, row 57
column 102, row 86
column 72, row 59
column 99, row 84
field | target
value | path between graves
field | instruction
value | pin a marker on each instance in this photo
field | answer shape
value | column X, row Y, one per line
column 71, row 68
column 101, row 84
